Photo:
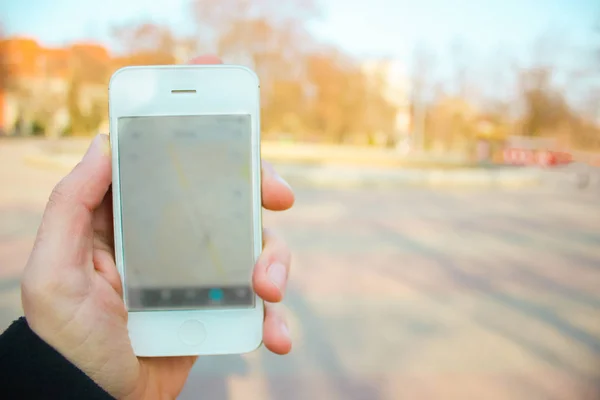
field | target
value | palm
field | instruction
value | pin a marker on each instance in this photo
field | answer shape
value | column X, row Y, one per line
column 72, row 294
column 166, row 375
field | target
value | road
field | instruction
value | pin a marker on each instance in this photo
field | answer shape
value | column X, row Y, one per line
column 400, row 293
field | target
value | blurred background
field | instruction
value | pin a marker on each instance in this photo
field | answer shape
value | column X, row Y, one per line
column 446, row 160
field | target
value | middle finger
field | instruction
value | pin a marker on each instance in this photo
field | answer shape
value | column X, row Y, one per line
column 272, row 268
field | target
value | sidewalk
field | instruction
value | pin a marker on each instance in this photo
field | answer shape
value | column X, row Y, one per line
column 305, row 154
column 341, row 176
column 348, row 176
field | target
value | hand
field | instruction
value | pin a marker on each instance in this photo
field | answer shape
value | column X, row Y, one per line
column 72, row 294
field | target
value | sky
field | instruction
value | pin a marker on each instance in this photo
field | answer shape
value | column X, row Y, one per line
column 364, row 28
column 493, row 32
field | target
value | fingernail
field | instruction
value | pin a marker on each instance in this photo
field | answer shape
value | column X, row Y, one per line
column 283, row 181
column 100, row 144
column 105, row 144
column 94, row 147
column 284, row 329
column 277, row 274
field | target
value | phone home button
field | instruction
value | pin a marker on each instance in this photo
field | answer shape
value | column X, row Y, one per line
column 192, row 332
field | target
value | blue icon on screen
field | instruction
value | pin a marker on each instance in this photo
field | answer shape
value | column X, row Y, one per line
column 216, row 295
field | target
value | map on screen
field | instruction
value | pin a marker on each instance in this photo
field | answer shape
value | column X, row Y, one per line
column 186, row 206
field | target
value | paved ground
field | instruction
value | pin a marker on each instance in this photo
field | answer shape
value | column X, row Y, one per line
column 336, row 169
column 401, row 293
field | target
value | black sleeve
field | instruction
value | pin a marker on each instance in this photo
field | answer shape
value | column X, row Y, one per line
column 31, row 369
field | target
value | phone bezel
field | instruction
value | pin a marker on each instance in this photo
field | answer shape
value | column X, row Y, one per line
column 219, row 90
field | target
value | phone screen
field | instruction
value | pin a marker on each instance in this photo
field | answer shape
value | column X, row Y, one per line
column 187, row 213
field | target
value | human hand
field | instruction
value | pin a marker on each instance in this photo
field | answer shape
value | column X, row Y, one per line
column 72, row 294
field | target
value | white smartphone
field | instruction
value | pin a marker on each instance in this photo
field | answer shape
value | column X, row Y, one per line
column 187, row 206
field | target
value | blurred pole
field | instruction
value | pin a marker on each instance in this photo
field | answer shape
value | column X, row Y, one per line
column 420, row 116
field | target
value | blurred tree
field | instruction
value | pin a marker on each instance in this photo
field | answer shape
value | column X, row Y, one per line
column 560, row 101
column 266, row 35
column 148, row 44
column 4, row 81
column 338, row 102
column 284, row 109
column 36, row 104
column 85, row 115
column 545, row 107
column 269, row 37
column 421, row 84
column 305, row 89
column 45, row 112
column 4, row 70
column 216, row 19
column 452, row 124
column 86, row 98
column 382, row 102
column 22, row 99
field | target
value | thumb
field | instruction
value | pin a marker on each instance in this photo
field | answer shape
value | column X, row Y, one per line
column 67, row 220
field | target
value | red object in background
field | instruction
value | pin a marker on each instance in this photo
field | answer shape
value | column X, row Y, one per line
column 517, row 156
column 560, row 158
column 543, row 158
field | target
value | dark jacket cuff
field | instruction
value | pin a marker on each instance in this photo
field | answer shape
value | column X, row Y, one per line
column 32, row 369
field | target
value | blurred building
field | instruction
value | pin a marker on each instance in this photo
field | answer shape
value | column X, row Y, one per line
column 391, row 78
column 37, row 84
